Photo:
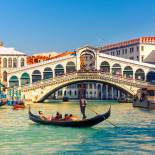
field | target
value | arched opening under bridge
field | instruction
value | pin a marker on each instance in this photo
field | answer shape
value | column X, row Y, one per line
column 46, row 95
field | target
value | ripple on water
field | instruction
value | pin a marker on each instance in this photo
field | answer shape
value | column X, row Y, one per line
column 134, row 135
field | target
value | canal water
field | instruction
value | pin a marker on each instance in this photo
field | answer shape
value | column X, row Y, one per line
column 134, row 134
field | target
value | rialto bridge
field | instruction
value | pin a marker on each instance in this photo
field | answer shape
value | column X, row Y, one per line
column 87, row 64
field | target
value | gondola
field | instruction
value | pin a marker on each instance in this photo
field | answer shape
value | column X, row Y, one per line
column 70, row 123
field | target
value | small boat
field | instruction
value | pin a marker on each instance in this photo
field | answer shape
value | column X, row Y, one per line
column 145, row 98
column 18, row 106
column 72, row 123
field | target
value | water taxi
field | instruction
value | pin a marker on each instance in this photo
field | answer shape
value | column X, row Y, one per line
column 145, row 98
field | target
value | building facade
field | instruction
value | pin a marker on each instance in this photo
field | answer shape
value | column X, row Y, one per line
column 10, row 59
column 140, row 49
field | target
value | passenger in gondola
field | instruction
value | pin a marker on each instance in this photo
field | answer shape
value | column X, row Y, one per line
column 72, row 117
column 41, row 115
column 66, row 117
column 58, row 116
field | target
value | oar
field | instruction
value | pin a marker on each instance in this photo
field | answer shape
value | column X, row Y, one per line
column 105, row 120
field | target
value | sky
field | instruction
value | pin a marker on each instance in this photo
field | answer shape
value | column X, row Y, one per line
column 34, row 26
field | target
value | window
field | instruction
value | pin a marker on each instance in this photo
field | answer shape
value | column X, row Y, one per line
column 14, row 63
column 22, row 63
column 142, row 58
column 90, row 85
column 131, row 58
column 142, row 48
column 126, row 51
column 138, row 58
column 137, row 48
column 10, row 62
column 5, row 62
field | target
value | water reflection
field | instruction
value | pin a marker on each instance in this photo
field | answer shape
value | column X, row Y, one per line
column 135, row 133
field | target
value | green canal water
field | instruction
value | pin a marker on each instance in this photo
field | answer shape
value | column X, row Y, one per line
column 135, row 133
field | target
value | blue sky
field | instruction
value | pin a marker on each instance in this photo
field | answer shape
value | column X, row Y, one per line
column 60, row 25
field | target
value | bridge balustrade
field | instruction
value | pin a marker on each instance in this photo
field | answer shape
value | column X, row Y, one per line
column 84, row 75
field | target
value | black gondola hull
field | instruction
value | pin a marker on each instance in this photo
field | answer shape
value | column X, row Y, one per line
column 78, row 123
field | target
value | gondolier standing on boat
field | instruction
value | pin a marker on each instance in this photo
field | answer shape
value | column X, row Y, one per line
column 83, row 103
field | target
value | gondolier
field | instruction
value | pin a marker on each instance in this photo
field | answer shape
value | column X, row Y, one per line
column 83, row 103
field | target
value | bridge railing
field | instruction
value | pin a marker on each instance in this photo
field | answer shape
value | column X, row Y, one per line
column 84, row 75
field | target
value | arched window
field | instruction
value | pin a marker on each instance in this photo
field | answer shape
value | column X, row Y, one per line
column 128, row 72
column 14, row 63
column 5, row 62
column 48, row 73
column 70, row 67
column 10, row 62
column 36, row 76
column 25, row 79
column 13, row 81
column 5, row 76
column 116, row 69
column 139, row 74
column 59, row 70
column 105, row 67
column 151, row 77
column 22, row 62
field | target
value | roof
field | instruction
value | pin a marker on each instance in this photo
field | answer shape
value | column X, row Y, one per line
column 142, row 40
column 9, row 51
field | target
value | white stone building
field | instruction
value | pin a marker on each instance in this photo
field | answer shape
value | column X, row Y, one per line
column 10, row 60
column 140, row 49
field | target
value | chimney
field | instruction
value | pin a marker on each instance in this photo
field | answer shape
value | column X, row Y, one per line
column 1, row 43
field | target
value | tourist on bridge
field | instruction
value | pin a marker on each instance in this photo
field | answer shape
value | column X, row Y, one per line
column 83, row 103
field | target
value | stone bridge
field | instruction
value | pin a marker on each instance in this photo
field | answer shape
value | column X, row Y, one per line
column 40, row 90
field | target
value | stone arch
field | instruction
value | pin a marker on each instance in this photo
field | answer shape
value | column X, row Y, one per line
column 5, row 63
column 10, row 62
column 36, row 76
column 25, row 79
column 13, row 81
column 150, row 77
column 51, row 89
column 15, row 63
column 87, row 60
column 70, row 67
column 128, row 72
column 116, row 69
column 5, row 74
column 22, row 62
column 59, row 70
column 48, row 73
column 105, row 67
column 140, row 74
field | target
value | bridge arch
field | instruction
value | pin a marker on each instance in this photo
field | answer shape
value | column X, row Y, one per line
column 116, row 69
column 128, row 72
column 52, row 89
column 59, row 70
column 70, row 67
column 25, row 79
column 36, row 76
column 13, row 81
column 150, row 77
column 105, row 67
column 87, row 60
column 140, row 74
column 48, row 73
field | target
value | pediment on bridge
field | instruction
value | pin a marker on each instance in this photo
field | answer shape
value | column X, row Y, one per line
column 87, row 47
